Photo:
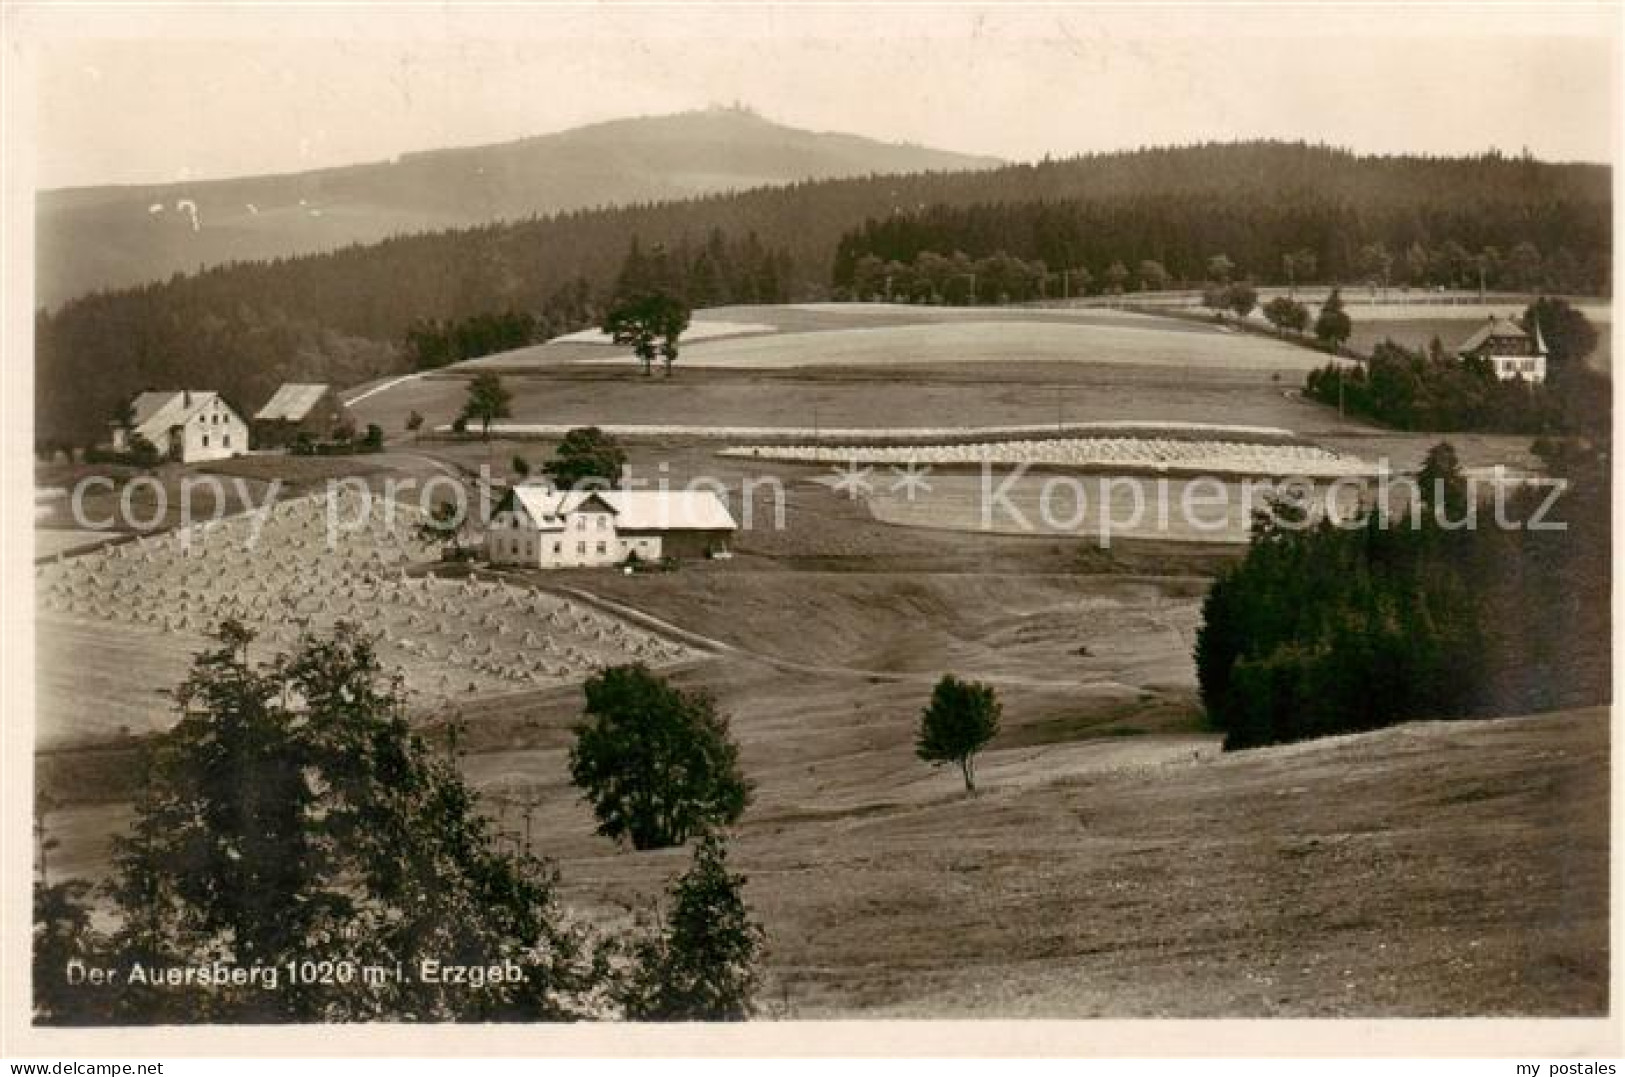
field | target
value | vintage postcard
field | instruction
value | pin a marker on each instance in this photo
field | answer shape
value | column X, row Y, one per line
column 637, row 527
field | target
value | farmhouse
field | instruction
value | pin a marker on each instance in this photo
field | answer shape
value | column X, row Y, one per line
column 184, row 424
column 294, row 409
column 1512, row 352
column 537, row 525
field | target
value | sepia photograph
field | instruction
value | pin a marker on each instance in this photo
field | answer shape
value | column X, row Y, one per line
column 633, row 515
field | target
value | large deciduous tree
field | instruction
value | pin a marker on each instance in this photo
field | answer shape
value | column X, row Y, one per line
column 651, row 324
column 586, row 456
column 657, row 763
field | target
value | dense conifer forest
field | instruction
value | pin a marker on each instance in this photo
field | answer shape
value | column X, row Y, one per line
column 1454, row 603
column 348, row 315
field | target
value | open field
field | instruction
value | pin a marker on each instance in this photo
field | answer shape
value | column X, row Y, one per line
column 971, row 395
column 1135, row 875
column 1115, row 863
column 1091, row 508
column 877, row 366
column 1335, row 879
column 1127, row 339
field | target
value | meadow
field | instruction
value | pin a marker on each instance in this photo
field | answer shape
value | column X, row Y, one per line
column 1115, row 862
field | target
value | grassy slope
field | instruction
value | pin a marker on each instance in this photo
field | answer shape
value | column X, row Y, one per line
column 1428, row 870
column 881, row 366
column 1113, row 865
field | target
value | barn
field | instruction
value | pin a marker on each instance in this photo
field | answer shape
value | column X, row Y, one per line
column 537, row 526
column 301, row 408
column 188, row 425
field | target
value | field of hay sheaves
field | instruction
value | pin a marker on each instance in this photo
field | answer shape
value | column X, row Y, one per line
column 1125, row 453
column 104, row 615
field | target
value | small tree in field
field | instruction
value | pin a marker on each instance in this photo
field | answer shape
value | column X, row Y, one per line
column 1287, row 314
column 962, row 718
column 1333, row 327
column 488, row 399
column 1241, row 298
column 701, row 965
column 657, row 763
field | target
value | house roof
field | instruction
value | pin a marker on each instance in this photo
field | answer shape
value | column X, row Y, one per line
column 1494, row 329
column 156, row 412
column 291, row 402
column 635, row 510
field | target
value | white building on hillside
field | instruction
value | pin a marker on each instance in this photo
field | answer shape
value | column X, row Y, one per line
column 1511, row 351
column 538, row 526
column 185, row 424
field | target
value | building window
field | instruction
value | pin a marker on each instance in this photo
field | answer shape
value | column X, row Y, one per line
column 581, row 548
column 603, row 522
column 558, row 547
column 205, row 441
column 601, row 548
column 225, row 440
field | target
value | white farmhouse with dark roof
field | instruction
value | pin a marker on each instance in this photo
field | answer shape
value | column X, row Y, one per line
column 1512, row 352
column 538, row 526
column 188, row 425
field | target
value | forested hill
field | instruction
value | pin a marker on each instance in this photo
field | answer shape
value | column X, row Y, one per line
column 343, row 316
column 101, row 237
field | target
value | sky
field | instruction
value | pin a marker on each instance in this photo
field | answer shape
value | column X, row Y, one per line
column 161, row 94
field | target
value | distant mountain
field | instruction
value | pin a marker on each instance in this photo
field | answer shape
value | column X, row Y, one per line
column 107, row 237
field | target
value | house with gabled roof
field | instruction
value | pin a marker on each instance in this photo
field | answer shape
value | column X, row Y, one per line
column 1511, row 352
column 298, row 408
column 537, row 526
column 188, row 425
